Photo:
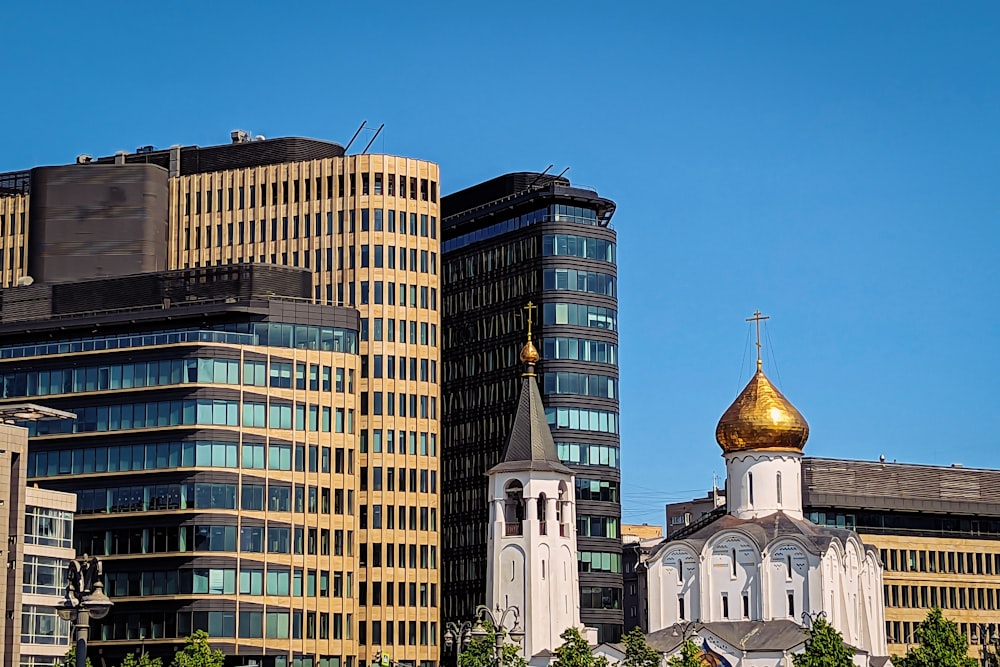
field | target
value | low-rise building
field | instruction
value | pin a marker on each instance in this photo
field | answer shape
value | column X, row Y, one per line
column 937, row 529
column 687, row 512
column 48, row 547
column 36, row 540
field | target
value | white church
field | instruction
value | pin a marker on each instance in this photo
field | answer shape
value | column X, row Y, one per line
column 743, row 587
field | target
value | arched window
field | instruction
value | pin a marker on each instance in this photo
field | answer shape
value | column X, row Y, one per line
column 561, row 501
column 542, row 502
column 513, row 508
column 779, row 487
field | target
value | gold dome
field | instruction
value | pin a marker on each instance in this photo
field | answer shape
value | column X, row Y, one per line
column 761, row 418
column 529, row 355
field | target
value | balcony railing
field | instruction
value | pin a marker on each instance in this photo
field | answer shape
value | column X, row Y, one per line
column 512, row 528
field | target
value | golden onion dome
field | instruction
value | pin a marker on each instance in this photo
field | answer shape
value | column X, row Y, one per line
column 529, row 355
column 761, row 418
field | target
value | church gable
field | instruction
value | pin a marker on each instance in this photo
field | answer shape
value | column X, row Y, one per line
column 789, row 568
column 681, row 583
column 734, row 578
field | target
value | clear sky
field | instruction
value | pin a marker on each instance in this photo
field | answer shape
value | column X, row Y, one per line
column 833, row 164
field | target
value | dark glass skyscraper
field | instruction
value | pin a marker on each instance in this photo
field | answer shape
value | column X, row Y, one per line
column 519, row 238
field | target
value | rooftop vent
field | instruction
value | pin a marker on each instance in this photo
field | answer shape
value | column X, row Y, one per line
column 83, row 158
column 144, row 149
column 239, row 136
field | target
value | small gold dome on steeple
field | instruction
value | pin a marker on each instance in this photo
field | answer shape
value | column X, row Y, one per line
column 529, row 355
column 761, row 417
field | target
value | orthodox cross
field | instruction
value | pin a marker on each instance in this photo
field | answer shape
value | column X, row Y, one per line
column 757, row 318
column 530, row 307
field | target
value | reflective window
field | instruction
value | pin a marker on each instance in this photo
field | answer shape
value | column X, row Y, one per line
column 48, row 527
column 587, row 454
column 596, row 526
column 579, row 281
column 580, row 315
column 119, row 376
column 600, row 561
column 579, row 246
column 581, row 384
column 41, row 625
column 594, row 489
column 271, row 334
column 603, row 421
column 580, row 349
column 44, row 575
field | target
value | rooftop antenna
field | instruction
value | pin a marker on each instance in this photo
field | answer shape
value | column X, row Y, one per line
column 363, row 123
column 374, row 137
column 532, row 184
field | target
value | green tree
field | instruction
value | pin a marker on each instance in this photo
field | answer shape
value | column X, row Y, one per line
column 69, row 660
column 198, row 653
column 479, row 652
column 941, row 645
column 575, row 652
column 637, row 652
column 142, row 660
column 825, row 647
column 689, row 656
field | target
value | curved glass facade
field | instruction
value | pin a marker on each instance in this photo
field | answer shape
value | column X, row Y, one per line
column 280, row 501
column 560, row 254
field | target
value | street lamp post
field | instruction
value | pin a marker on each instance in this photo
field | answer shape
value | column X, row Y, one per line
column 988, row 638
column 684, row 630
column 457, row 636
column 808, row 620
column 85, row 599
column 498, row 620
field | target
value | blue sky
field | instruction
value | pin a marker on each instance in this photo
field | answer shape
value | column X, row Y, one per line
column 833, row 164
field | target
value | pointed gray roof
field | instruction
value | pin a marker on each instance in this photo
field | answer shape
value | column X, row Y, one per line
column 530, row 445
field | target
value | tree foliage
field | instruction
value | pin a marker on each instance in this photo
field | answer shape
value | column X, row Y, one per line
column 941, row 645
column 688, row 657
column 198, row 653
column 575, row 652
column 825, row 647
column 142, row 660
column 479, row 652
column 69, row 660
column 637, row 652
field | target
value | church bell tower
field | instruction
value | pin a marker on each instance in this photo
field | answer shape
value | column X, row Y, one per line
column 532, row 561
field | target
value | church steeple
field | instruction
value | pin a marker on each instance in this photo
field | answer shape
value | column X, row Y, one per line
column 530, row 445
column 533, row 562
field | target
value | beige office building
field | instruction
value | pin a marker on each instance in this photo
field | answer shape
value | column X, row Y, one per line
column 367, row 227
